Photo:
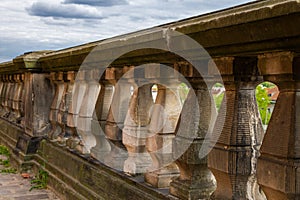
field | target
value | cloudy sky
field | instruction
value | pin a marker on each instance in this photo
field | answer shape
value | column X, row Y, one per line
column 29, row 25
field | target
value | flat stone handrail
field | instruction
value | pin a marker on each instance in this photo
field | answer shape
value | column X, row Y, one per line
column 96, row 125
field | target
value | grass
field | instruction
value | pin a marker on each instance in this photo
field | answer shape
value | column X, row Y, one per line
column 40, row 181
column 7, row 169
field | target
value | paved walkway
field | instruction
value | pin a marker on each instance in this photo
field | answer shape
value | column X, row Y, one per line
column 15, row 187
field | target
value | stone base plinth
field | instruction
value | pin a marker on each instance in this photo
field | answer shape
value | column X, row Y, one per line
column 161, row 178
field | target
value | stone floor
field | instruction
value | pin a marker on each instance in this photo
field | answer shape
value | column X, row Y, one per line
column 16, row 187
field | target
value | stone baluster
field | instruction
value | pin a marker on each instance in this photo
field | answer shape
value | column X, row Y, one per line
column 115, row 120
column 21, row 119
column 16, row 99
column 71, row 132
column 1, row 84
column 9, row 96
column 86, row 111
column 135, row 130
column 103, row 103
column 12, row 114
column 57, row 79
column 233, row 158
column 5, row 99
column 79, row 89
column 2, row 92
column 192, row 141
column 62, row 114
column 278, row 165
column 164, row 118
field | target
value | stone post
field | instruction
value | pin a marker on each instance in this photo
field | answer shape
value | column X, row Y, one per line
column 22, row 101
column 2, row 89
column 86, row 111
column 278, row 165
column 159, row 143
column 58, row 81
column 103, row 103
column 6, row 97
column 75, row 100
column 191, row 142
column 64, row 107
column 233, row 158
column 115, row 120
column 3, row 94
column 14, row 88
column 135, row 130
column 17, row 98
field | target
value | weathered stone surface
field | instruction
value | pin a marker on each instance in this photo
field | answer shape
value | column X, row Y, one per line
column 278, row 163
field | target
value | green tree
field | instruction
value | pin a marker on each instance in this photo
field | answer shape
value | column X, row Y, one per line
column 218, row 100
column 263, row 101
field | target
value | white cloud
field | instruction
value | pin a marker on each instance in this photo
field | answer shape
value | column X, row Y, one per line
column 55, row 24
column 44, row 9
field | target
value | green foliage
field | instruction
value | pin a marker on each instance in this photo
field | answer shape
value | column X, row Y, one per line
column 218, row 100
column 183, row 91
column 263, row 101
column 40, row 181
column 9, row 170
column 4, row 150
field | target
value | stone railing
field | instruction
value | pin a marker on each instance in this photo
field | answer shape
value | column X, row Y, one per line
column 105, row 136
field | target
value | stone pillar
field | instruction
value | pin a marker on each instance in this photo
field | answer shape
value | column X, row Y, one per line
column 7, row 95
column 22, row 101
column 75, row 101
column 58, row 81
column 86, row 111
column 115, row 120
column 17, row 98
column 278, row 165
column 3, row 94
column 233, row 158
column 191, row 142
column 135, row 130
column 71, row 132
column 12, row 114
column 62, row 115
column 159, row 144
column 103, row 103
column 2, row 88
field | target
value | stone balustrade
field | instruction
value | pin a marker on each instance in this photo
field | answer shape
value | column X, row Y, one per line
column 102, row 130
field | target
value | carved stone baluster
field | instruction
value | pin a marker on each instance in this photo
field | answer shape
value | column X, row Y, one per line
column 6, row 95
column 164, row 118
column 278, row 165
column 22, row 101
column 102, row 147
column 63, row 108
column 57, row 79
column 79, row 89
column 11, row 116
column 2, row 92
column 233, row 159
column 16, row 99
column 135, row 130
column 71, row 131
column 198, row 115
column 86, row 111
column 115, row 122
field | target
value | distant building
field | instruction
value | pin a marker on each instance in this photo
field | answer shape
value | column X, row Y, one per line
column 273, row 93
